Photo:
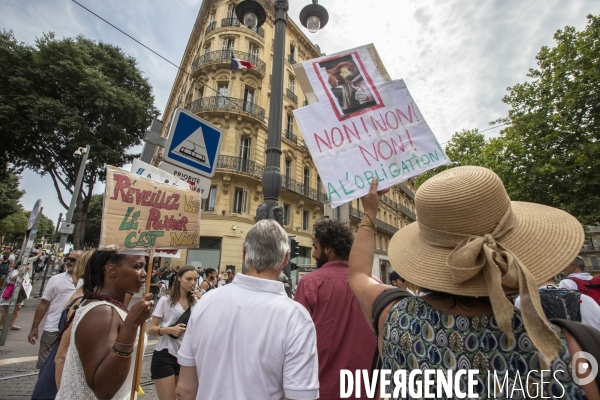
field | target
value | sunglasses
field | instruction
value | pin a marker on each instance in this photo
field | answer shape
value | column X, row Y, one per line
column 71, row 259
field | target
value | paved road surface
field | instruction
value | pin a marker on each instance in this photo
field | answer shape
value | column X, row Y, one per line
column 18, row 357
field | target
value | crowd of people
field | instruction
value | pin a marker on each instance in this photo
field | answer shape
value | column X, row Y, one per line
column 469, row 290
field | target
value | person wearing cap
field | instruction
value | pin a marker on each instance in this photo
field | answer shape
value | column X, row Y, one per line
column 396, row 280
column 470, row 247
column 578, row 279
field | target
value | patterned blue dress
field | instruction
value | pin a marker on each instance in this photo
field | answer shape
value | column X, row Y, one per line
column 417, row 336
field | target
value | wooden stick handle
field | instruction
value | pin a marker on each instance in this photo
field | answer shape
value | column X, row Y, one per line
column 137, row 372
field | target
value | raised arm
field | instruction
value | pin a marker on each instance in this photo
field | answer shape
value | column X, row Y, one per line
column 364, row 287
column 97, row 333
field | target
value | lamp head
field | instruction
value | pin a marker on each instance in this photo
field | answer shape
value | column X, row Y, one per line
column 314, row 17
column 251, row 13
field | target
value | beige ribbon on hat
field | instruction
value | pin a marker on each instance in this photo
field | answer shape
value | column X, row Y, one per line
column 500, row 268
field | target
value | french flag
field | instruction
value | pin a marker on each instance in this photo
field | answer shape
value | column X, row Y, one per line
column 236, row 63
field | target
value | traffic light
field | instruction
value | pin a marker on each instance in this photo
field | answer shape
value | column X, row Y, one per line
column 294, row 248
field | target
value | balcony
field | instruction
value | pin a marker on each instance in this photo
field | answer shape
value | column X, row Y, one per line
column 223, row 103
column 299, row 188
column 242, row 165
column 224, row 56
column 381, row 226
column 406, row 190
column 399, row 207
column 290, row 95
column 291, row 59
column 259, row 30
column 230, row 22
column 210, row 27
column 291, row 137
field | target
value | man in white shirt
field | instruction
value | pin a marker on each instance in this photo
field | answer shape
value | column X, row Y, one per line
column 59, row 290
column 271, row 339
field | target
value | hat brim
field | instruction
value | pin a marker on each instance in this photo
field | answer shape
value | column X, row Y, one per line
column 544, row 239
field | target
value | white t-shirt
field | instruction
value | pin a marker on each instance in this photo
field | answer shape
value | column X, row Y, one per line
column 59, row 290
column 570, row 283
column 170, row 315
column 270, row 343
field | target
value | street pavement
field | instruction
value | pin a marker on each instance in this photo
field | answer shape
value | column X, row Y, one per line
column 18, row 357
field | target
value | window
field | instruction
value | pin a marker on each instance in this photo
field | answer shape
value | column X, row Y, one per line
column 208, row 253
column 248, row 99
column 231, row 11
column 209, row 203
column 211, row 18
column 290, row 124
column 240, row 198
column 244, row 153
column 223, row 89
column 305, row 101
column 319, row 188
column 306, row 181
column 254, row 53
column 305, row 216
column 286, row 214
column 200, row 93
column 227, row 44
column 288, row 169
column 292, row 85
column 594, row 261
column 336, row 213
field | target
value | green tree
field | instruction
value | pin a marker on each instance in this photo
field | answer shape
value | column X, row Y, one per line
column 464, row 148
column 59, row 95
column 9, row 194
column 13, row 227
column 93, row 223
column 550, row 152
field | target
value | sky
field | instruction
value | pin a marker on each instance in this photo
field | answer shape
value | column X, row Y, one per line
column 457, row 57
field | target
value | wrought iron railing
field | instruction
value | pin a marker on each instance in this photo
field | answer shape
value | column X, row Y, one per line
column 356, row 213
column 386, row 227
column 241, row 165
column 259, row 30
column 225, row 56
column 256, row 170
column 406, row 190
column 230, row 22
column 290, row 136
column 290, row 95
column 298, row 187
column 398, row 206
column 226, row 103
column 291, row 59
column 210, row 27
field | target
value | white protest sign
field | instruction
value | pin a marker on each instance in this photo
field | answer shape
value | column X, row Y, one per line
column 363, row 127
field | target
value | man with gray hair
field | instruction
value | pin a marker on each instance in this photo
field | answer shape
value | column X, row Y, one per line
column 271, row 339
column 577, row 279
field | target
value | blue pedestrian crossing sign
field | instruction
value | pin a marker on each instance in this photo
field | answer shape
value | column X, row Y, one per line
column 193, row 143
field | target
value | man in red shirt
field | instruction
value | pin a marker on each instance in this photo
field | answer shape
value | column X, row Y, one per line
column 344, row 338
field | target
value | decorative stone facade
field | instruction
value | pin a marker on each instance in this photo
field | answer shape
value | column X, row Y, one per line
column 238, row 103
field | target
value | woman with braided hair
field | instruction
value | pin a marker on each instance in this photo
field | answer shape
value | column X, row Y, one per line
column 101, row 358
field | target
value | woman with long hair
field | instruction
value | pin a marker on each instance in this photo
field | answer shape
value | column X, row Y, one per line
column 101, row 358
column 183, row 294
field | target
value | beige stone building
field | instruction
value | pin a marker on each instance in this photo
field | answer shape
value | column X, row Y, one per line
column 591, row 249
column 238, row 102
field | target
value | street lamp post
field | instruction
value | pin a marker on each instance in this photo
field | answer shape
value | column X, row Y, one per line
column 84, row 156
column 253, row 15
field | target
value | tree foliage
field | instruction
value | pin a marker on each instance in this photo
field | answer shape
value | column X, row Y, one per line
column 464, row 148
column 550, row 152
column 59, row 95
column 93, row 223
column 9, row 194
column 15, row 226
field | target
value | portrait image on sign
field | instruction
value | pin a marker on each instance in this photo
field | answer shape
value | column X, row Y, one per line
column 348, row 85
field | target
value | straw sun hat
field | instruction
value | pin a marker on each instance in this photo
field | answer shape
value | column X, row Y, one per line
column 471, row 240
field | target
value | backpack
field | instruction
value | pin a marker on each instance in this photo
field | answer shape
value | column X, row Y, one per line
column 589, row 288
column 4, row 269
column 561, row 303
